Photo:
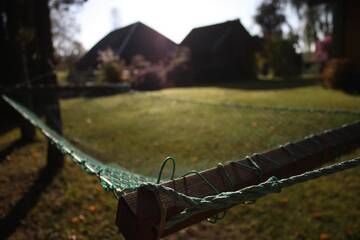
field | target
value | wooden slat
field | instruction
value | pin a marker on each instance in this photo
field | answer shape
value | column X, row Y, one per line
column 294, row 159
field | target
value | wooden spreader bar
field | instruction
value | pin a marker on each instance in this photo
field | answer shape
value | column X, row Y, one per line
column 142, row 214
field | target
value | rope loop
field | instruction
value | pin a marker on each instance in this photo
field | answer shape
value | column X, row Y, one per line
column 286, row 148
column 249, row 194
column 224, row 173
column 163, row 166
column 212, row 186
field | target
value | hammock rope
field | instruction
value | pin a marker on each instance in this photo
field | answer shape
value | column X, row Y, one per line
column 112, row 177
column 246, row 195
column 118, row 180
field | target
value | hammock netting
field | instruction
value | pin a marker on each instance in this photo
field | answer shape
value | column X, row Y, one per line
column 122, row 139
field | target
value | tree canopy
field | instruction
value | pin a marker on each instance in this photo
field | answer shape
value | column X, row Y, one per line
column 270, row 18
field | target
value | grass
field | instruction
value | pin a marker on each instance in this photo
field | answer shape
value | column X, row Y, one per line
column 145, row 128
column 62, row 77
column 139, row 130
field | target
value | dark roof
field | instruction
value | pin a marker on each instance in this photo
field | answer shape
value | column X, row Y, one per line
column 128, row 41
column 211, row 37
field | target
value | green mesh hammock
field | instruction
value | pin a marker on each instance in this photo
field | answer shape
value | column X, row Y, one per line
column 118, row 180
column 112, row 177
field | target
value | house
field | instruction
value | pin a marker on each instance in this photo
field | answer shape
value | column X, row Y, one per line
column 127, row 42
column 221, row 52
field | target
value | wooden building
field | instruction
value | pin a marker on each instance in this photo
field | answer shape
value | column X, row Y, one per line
column 222, row 52
column 126, row 42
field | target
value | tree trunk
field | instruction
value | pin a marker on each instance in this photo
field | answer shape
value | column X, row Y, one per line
column 14, row 66
column 50, row 102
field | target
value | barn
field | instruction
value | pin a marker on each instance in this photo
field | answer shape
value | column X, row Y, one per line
column 127, row 42
column 221, row 52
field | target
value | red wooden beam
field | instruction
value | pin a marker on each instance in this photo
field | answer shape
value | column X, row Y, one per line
column 143, row 214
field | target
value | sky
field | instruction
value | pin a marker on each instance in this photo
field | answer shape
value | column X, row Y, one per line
column 174, row 19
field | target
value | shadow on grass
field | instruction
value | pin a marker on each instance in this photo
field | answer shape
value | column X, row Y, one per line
column 9, row 118
column 6, row 127
column 12, row 147
column 21, row 209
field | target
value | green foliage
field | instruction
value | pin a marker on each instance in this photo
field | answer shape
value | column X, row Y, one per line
column 148, row 79
column 65, row 28
column 109, row 72
column 146, row 75
column 270, row 18
column 178, row 70
column 280, row 58
column 278, row 55
column 317, row 18
column 110, row 69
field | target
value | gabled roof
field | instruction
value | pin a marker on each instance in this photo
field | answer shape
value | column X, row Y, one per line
column 136, row 38
column 211, row 37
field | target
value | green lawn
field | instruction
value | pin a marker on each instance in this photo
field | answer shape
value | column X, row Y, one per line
column 62, row 77
column 138, row 130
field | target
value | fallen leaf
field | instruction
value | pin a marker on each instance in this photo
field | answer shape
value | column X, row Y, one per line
column 35, row 153
column 283, row 200
column 324, row 236
column 75, row 220
column 348, row 231
column 317, row 215
column 194, row 159
column 92, row 208
column 72, row 237
column 82, row 218
column 99, row 187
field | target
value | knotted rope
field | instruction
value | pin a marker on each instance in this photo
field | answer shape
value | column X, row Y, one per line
column 246, row 195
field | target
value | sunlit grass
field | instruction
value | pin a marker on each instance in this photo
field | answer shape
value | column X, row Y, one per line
column 139, row 130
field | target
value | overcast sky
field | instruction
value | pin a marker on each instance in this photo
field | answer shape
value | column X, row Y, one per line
column 172, row 18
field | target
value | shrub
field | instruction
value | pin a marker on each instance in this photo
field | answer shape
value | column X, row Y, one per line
column 178, row 70
column 341, row 73
column 148, row 79
column 280, row 58
column 144, row 75
column 139, row 62
column 110, row 68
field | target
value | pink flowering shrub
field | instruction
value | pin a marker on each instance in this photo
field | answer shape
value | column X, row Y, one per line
column 141, row 74
column 111, row 68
